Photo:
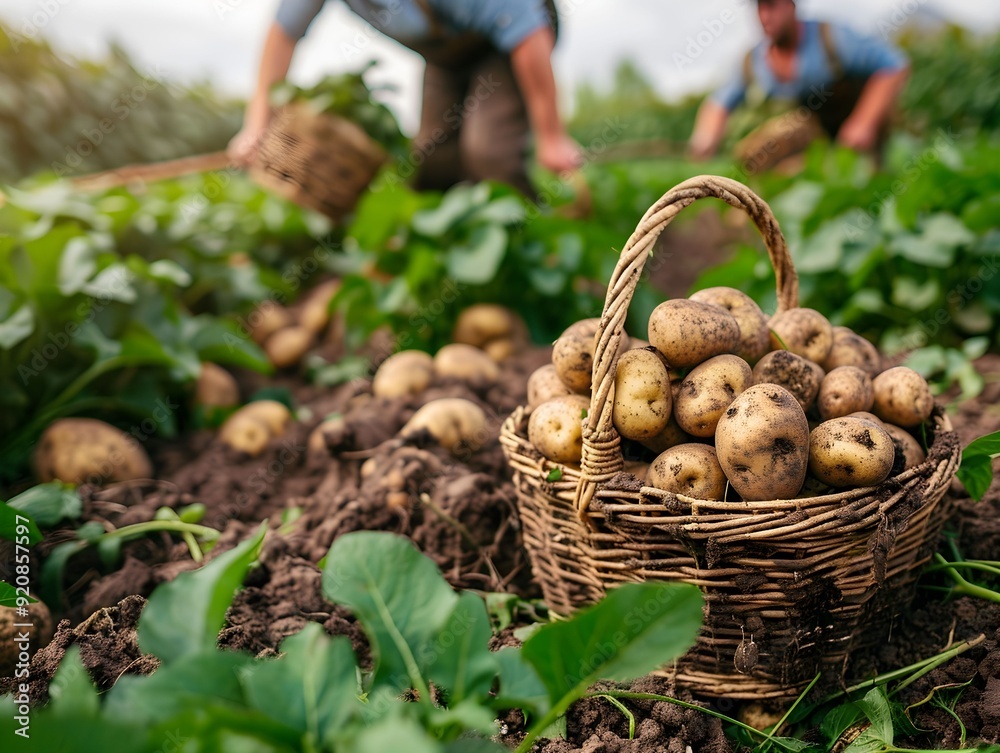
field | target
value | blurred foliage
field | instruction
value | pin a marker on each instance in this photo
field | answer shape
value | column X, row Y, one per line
column 74, row 117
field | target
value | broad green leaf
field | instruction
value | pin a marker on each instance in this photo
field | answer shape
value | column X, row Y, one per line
column 170, row 271
column 395, row 733
column 914, row 296
column 456, row 204
column 17, row 327
column 464, row 717
column 547, row 280
column 632, row 631
column 72, row 691
column 312, row 686
column 839, row 720
column 398, row 595
column 477, row 263
column 113, row 283
column 460, row 659
column 221, row 342
column 875, row 706
column 976, row 475
column 49, row 504
column 77, row 264
column 506, row 210
column 922, row 250
column 474, row 745
column 18, row 526
column 9, row 595
column 185, row 615
column 987, row 445
column 823, row 250
column 520, row 685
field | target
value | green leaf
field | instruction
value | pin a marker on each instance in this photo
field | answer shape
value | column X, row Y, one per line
column 520, row 685
column 839, row 720
column 460, row 659
column 17, row 327
column 170, row 271
column 976, row 475
column 456, row 204
column 185, row 615
column 987, row 445
column 632, row 631
column 396, row 733
column 312, row 687
column 398, row 595
column 555, row 474
column 875, row 707
column 71, row 690
column 9, row 595
column 49, row 504
column 16, row 525
column 77, row 265
column 477, row 263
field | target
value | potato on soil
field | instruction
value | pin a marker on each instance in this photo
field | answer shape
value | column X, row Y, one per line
column 913, row 454
column 545, row 384
column 408, row 372
column 274, row 415
column 39, row 634
column 468, row 363
column 845, row 390
column 755, row 335
column 502, row 348
column 762, row 441
column 85, row 450
column 456, row 423
column 286, row 347
column 642, row 403
column 690, row 332
column 902, row 397
column 708, row 390
column 555, row 428
column 798, row 375
column 482, row 323
column 805, row 332
column 315, row 312
column 267, row 319
column 573, row 353
column 851, row 349
column 254, row 425
column 690, row 469
column 850, row 452
column 216, row 388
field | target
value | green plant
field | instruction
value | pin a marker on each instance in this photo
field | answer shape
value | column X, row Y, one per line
column 976, row 469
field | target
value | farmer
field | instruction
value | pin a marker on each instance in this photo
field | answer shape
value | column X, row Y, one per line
column 488, row 84
column 844, row 83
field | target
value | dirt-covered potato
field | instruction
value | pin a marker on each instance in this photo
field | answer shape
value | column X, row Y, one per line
column 755, row 335
column 691, row 469
column 671, row 436
column 85, row 450
column 274, row 415
column 457, row 424
column 408, row 372
column 805, row 332
column 267, row 319
column 315, row 312
column 502, row 348
column 850, row 452
column 545, row 384
column 708, row 390
column 13, row 649
column 555, row 428
column 851, row 349
column 798, row 375
column 641, row 408
column 906, row 443
column 902, row 397
column 482, row 323
column 216, row 388
column 863, row 414
column 254, row 425
column 573, row 353
column 466, row 362
column 762, row 441
column 845, row 390
column 286, row 347
column 690, row 332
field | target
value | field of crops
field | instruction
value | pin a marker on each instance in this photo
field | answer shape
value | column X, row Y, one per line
column 277, row 483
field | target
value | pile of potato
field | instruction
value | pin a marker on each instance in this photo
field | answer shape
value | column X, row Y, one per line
column 286, row 335
column 721, row 402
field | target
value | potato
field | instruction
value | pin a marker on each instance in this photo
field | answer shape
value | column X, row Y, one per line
column 851, row 349
column 762, row 441
column 408, row 372
column 642, row 403
column 555, row 428
column 267, row 319
column 465, row 362
column 501, row 349
column 690, row 469
column 902, row 397
column 846, row 389
column 85, row 450
column 274, row 415
column 287, row 346
column 805, row 332
column 573, row 353
column 12, row 628
column 865, row 415
column 545, row 384
column 457, row 424
column 671, row 436
column 482, row 323
column 216, row 388
column 708, row 390
column 755, row 335
column 913, row 453
column 798, row 375
column 254, row 425
column 690, row 332
column 315, row 312
column 850, row 452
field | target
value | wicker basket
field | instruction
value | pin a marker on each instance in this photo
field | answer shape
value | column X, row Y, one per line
column 317, row 160
column 791, row 586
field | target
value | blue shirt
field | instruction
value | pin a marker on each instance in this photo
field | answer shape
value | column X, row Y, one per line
column 859, row 55
column 506, row 23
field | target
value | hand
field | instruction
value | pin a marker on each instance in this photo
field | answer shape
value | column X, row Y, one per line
column 858, row 135
column 699, row 151
column 242, row 149
column 559, row 154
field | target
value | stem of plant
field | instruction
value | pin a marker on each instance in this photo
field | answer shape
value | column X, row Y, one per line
column 625, row 712
column 788, row 713
column 177, row 526
column 964, row 587
column 580, row 691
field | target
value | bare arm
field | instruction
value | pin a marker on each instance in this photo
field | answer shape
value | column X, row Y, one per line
column 709, row 128
column 275, row 60
column 532, row 64
column 860, row 130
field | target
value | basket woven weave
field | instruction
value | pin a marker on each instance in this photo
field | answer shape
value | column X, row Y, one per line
column 318, row 160
column 791, row 587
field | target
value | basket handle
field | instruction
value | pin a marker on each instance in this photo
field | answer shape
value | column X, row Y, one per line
column 602, row 457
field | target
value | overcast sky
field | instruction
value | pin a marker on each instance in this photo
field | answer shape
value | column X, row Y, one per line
column 219, row 40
